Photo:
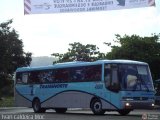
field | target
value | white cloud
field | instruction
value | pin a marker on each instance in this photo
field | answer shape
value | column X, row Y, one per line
column 45, row 34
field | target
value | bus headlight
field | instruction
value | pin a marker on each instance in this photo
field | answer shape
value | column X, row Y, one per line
column 152, row 104
column 127, row 104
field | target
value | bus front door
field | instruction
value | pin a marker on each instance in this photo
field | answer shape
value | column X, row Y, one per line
column 112, row 84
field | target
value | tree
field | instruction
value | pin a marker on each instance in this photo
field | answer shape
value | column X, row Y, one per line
column 134, row 47
column 79, row 52
column 12, row 55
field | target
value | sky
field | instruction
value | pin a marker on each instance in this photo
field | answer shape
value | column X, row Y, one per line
column 44, row 34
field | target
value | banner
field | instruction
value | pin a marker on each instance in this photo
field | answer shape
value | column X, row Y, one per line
column 62, row 6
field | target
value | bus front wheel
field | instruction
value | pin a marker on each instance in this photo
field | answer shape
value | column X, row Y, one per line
column 60, row 110
column 124, row 112
column 37, row 106
column 96, row 107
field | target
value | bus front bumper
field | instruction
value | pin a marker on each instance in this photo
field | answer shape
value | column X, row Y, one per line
column 138, row 104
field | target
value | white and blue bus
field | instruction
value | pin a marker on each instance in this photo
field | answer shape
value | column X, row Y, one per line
column 104, row 85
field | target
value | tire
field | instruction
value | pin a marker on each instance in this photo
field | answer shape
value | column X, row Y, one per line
column 37, row 106
column 60, row 110
column 43, row 110
column 96, row 107
column 124, row 112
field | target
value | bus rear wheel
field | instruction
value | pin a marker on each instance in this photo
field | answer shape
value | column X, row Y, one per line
column 60, row 110
column 96, row 107
column 37, row 106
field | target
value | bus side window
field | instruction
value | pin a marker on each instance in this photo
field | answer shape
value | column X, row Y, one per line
column 93, row 73
column 98, row 73
column 65, row 75
column 33, row 77
column 46, row 76
column 19, row 77
column 25, row 78
column 88, row 73
column 62, row 75
column 77, row 74
column 57, row 74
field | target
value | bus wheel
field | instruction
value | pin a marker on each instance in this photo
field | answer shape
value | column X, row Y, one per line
column 124, row 112
column 43, row 110
column 60, row 110
column 37, row 106
column 96, row 107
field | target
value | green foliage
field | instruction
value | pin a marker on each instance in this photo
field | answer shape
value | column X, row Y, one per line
column 11, row 54
column 134, row 47
column 7, row 102
column 79, row 52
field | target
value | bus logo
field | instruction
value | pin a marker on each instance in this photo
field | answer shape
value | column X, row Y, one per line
column 54, row 86
column 99, row 86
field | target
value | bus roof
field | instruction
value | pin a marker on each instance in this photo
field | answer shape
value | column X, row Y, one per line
column 79, row 63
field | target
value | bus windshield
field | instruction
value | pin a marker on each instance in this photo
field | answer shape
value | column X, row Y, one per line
column 132, row 77
column 135, row 77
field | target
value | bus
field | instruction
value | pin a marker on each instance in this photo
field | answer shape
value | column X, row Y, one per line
column 103, row 85
column 157, row 89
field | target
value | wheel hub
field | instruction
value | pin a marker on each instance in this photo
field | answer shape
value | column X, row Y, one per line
column 97, row 106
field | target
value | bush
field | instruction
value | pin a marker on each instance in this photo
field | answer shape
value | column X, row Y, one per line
column 6, row 85
column 6, row 102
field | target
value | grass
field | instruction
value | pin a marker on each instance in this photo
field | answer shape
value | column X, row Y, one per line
column 6, row 102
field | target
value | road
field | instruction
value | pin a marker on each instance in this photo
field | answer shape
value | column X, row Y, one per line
column 27, row 113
